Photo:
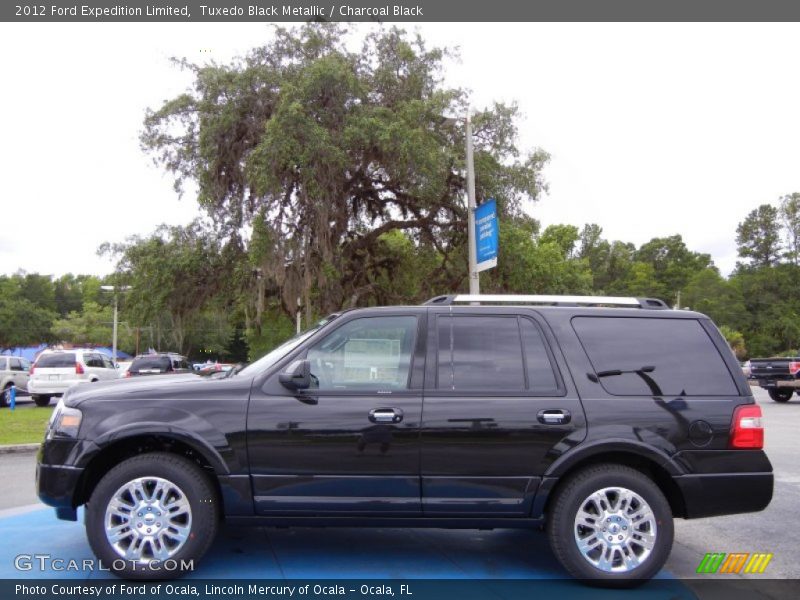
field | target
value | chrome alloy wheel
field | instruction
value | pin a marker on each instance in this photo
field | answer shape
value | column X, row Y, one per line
column 615, row 530
column 148, row 518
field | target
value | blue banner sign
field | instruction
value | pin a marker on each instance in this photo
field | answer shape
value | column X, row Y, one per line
column 487, row 236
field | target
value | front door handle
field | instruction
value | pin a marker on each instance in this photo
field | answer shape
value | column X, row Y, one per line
column 386, row 415
column 553, row 416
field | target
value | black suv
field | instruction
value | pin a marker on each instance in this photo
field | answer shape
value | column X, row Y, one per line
column 157, row 364
column 598, row 418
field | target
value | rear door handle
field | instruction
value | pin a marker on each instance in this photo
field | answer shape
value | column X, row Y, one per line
column 386, row 415
column 553, row 416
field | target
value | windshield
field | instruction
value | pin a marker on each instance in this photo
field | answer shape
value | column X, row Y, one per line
column 278, row 353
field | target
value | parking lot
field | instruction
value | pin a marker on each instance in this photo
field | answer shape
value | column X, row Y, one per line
column 28, row 527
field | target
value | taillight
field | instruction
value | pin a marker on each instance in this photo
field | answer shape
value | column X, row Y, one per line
column 30, row 372
column 794, row 367
column 127, row 374
column 78, row 368
column 747, row 430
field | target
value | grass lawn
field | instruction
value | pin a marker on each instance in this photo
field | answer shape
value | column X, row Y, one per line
column 23, row 426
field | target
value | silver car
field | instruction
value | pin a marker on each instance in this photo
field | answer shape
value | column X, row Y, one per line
column 13, row 372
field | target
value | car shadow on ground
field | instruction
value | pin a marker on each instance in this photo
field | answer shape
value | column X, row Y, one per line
column 489, row 563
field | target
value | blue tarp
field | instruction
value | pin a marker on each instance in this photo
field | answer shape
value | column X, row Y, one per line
column 30, row 352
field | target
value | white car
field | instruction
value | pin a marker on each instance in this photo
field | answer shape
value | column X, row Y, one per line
column 122, row 368
column 55, row 371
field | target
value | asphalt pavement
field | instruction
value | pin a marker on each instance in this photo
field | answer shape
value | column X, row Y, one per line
column 18, row 472
column 777, row 528
column 451, row 553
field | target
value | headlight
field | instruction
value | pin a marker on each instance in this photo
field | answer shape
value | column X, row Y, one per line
column 65, row 422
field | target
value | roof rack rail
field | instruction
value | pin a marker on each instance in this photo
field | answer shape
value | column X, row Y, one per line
column 449, row 300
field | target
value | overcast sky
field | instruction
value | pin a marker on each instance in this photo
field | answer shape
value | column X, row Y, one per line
column 654, row 129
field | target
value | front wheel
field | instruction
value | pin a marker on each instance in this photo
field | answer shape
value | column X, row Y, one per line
column 781, row 394
column 5, row 396
column 610, row 525
column 152, row 516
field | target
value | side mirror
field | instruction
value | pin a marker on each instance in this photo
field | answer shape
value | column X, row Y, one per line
column 297, row 376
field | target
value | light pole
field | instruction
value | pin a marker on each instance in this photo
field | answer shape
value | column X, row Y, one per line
column 299, row 315
column 115, row 289
column 474, row 277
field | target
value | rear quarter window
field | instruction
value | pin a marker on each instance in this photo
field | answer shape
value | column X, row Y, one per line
column 683, row 358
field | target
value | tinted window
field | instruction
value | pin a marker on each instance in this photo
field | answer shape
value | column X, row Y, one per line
column 151, row 363
column 59, row 360
column 16, row 364
column 3, row 363
column 371, row 353
column 485, row 353
column 541, row 377
column 684, row 359
column 93, row 360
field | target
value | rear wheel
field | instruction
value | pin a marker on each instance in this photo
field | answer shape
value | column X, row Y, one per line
column 781, row 394
column 5, row 396
column 152, row 516
column 41, row 399
column 610, row 525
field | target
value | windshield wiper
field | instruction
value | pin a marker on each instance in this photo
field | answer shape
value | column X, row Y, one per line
column 612, row 372
column 641, row 372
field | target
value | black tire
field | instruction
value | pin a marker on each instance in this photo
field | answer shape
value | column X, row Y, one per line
column 177, row 470
column 781, row 394
column 575, row 492
column 4, row 396
column 41, row 399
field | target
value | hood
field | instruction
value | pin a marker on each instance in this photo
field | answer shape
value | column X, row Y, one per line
column 146, row 387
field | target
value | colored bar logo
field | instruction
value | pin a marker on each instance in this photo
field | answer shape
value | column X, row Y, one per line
column 736, row 562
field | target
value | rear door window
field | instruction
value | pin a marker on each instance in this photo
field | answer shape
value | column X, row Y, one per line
column 60, row 360
column 541, row 376
column 493, row 352
column 93, row 360
column 654, row 357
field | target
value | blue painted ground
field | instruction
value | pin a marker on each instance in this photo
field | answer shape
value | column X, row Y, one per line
column 333, row 553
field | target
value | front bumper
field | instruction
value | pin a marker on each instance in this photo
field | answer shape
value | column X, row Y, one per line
column 56, row 485
column 774, row 382
column 708, row 495
column 57, row 480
